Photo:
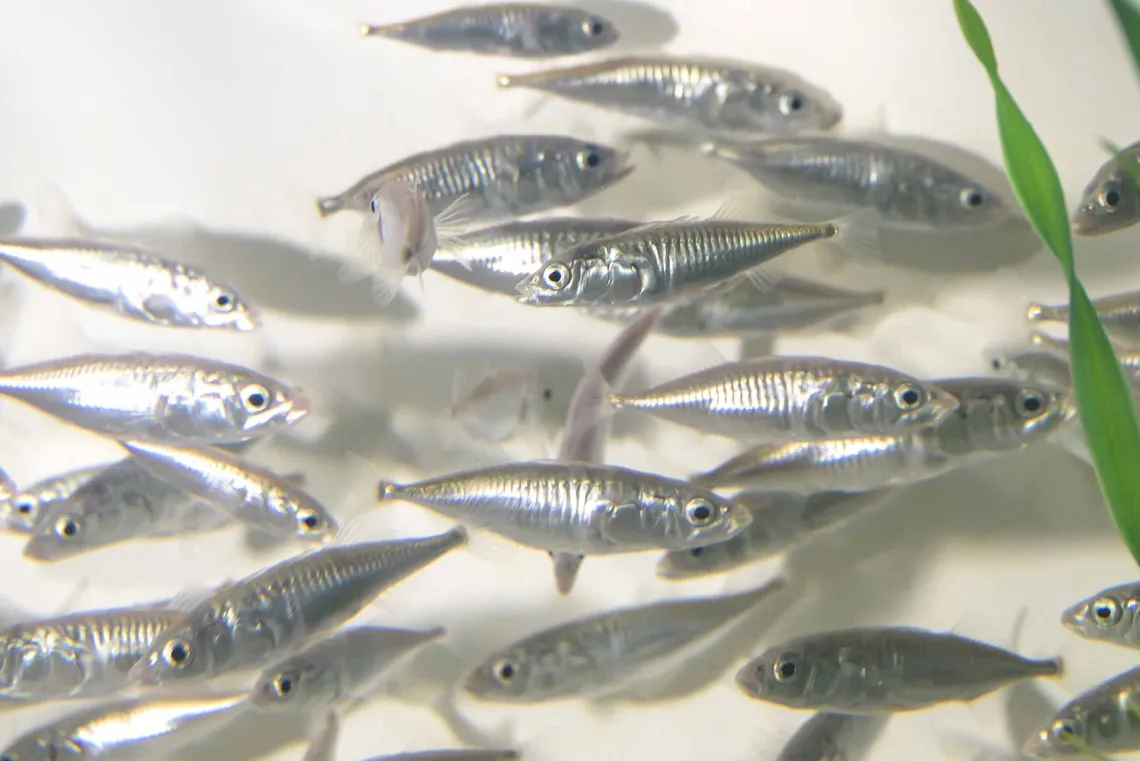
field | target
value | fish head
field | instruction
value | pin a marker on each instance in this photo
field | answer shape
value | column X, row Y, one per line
column 786, row 103
column 1068, row 730
column 22, row 511
column 299, row 684
column 1110, row 615
column 256, row 404
column 67, row 531
column 997, row 414
column 1109, row 203
column 508, row 675
column 784, row 675
column 179, row 653
column 304, row 517
column 579, row 169
column 891, row 403
column 565, row 281
column 961, row 202
column 583, row 32
column 221, row 307
column 694, row 517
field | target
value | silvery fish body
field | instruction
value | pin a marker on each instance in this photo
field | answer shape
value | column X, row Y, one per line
column 906, row 188
column 244, row 625
column 996, row 415
column 255, row 496
column 1103, row 717
column 1111, row 615
column 662, row 262
column 23, row 510
column 794, row 398
column 171, row 398
column 583, row 657
column 1035, row 366
column 80, row 655
column 1111, row 200
column 129, row 281
column 693, row 92
column 499, row 177
column 883, row 670
column 519, row 30
column 780, row 521
column 120, row 503
column 132, row 729
column 333, row 671
column 1119, row 313
column 498, row 258
column 456, row 754
column 578, row 508
column 833, row 737
column 790, row 303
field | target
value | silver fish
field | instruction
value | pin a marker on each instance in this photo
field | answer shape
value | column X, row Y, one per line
column 883, row 670
column 1111, row 615
column 591, row 654
column 906, row 188
column 1103, row 718
column 170, row 398
column 152, row 727
column 21, row 511
column 1119, row 313
column 496, row 406
column 787, row 398
column 780, row 521
column 995, row 415
column 662, row 262
column 693, row 92
column 252, row 495
column 578, row 508
column 1035, row 366
column 519, row 30
column 456, row 754
column 244, row 625
column 80, row 655
column 498, row 258
column 833, row 737
column 129, row 281
column 333, row 671
column 1111, row 200
column 501, row 176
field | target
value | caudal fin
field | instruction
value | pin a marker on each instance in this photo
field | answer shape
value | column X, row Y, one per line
column 329, row 205
column 1044, row 313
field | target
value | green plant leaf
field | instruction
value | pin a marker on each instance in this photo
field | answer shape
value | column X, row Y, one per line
column 1128, row 16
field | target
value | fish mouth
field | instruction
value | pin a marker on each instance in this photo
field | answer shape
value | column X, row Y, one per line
column 1084, row 224
column 298, row 407
column 42, row 551
column 1074, row 618
column 624, row 166
column 1037, row 745
column 747, row 681
column 246, row 322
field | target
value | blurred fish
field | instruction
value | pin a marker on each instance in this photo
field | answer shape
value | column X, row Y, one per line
column 584, row 657
column 171, row 398
column 1110, row 615
column 1119, row 313
column 252, row 495
column 457, row 754
column 693, row 93
column 23, row 509
column 906, row 188
column 323, row 744
column 577, row 508
column 1103, row 718
column 833, row 737
column 1036, row 366
column 333, row 671
column 1111, row 200
column 496, row 406
column 519, row 30
column 780, row 521
column 151, row 727
column 130, row 281
column 883, row 670
column 245, row 624
column 500, row 177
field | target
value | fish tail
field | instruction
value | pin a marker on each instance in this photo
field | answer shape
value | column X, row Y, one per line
column 380, row 30
column 388, row 490
column 329, row 205
column 518, row 80
column 1043, row 313
column 1054, row 667
column 857, row 233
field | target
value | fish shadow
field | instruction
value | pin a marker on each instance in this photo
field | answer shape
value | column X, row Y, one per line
column 253, row 735
column 1026, row 711
column 12, row 217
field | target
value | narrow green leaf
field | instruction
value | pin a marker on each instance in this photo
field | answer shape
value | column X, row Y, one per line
column 976, row 34
column 1128, row 16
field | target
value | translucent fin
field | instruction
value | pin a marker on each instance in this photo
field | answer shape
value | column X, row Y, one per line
column 748, row 205
column 566, row 567
column 456, row 220
column 190, row 597
column 858, row 234
column 324, row 738
column 71, row 602
column 370, row 263
column 54, row 215
column 329, row 205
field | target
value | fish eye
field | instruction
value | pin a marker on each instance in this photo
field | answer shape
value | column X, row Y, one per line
column 1106, row 611
column 556, row 276
column 593, row 27
column 67, row 527
column 1029, row 402
column 504, row 671
column 283, row 685
column 1064, row 728
column 696, row 552
column 255, row 397
column 786, row 668
column 589, row 158
column 699, row 511
column 224, row 302
column 308, row 519
column 1109, row 197
column 908, row 396
column 373, row 205
column 971, row 198
column 24, row 506
column 176, row 652
column 791, row 102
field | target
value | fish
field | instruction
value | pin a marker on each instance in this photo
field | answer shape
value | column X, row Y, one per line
column 165, row 398
column 21, row 511
column 883, row 670
column 79, row 655
column 246, row 624
column 497, row 258
column 1031, row 365
column 324, row 741
column 255, row 496
column 781, row 521
column 335, row 670
column 996, row 415
column 132, row 282
column 1103, row 718
column 1111, row 200
column 499, row 177
column 453, row 754
column 496, row 406
column 1119, row 313
column 577, row 508
column 1108, row 616
column 786, row 398
column 695, row 93
column 517, row 30
column 151, row 727
column 662, row 262
column 833, row 737
column 593, row 654
column 905, row 188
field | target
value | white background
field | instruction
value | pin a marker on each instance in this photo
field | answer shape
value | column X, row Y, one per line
column 209, row 128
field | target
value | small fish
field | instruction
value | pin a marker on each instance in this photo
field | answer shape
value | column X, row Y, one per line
column 129, row 281
column 1111, row 201
column 456, row 754
column 695, row 93
column 906, row 188
column 578, row 508
column 1103, row 718
column 23, row 509
column 662, row 261
column 252, row 495
column 333, row 671
column 780, row 521
column 246, row 624
column 786, row 398
column 995, row 415
column 883, row 670
column 833, row 737
column 498, row 258
column 1110, row 615
column 168, row 398
column 498, row 177
column 1119, row 313
column 79, row 655
column 517, row 30
column 496, row 406
column 592, row 654
column 152, row 727
column 1035, row 366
